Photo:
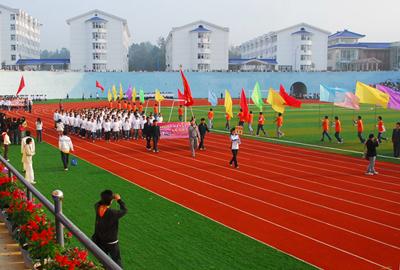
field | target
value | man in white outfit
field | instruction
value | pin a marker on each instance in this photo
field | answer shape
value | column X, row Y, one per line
column 65, row 145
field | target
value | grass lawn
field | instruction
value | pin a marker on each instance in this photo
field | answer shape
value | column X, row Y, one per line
column 304, row 125
column 156, row 233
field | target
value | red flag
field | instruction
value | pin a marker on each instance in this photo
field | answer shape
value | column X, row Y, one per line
column 289, row 100
column 21, row 85
column 243, row 104
column 182, row 97
column 98, row 85
column 188, row 94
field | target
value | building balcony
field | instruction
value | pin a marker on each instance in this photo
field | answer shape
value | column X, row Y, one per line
column 305, row 42
column 204, row 40
column 99, row 30
column 203, row 61
column 204, row 50
column 99, row 61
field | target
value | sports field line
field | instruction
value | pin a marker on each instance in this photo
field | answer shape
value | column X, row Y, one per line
column 303, row 144
column 229, row 206
column 213, row 199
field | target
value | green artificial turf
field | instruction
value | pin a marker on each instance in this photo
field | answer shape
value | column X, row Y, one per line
column 303, row 125
column 156, row 233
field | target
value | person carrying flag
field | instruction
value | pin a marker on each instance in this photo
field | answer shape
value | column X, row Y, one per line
column 180, row 113
column 210, row 118
column 260, row 125
column 250, row 122
column 155, row 108
column 228, row 120
column 381, row 129
column 279, row 124
column 338, row 129
column 360, row 128
column 325, row 129
column 242, row 118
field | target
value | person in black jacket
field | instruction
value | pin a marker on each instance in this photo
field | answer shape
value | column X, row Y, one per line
column 147, row 133
column 106, row 226
column 396, row 140
column 203, row 129
column 371, row 144
column 155, row 134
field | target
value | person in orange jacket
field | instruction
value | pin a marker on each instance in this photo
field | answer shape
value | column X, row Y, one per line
column 360, row 129
column 338, row 129
column 250, row 122
column 279, row 124
column 180, row 113
column 260, row 125
column 381, row 129
column 210, row 116
column 228, row 121
column 325, row 129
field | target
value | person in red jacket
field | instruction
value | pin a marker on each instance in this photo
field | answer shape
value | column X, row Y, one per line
column 360, row 129
column 325, row 129
column 180, row 113
column 228, row 121
column 260, row 126
column 210, row 116
column 381, row 129
column 338, row 129
column 279, row 124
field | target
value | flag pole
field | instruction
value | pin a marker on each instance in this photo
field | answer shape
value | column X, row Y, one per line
column 185, row 114
column 375, row 119
column 170, row 114
column 147, row 104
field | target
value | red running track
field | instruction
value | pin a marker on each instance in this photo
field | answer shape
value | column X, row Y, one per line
column 316, row 206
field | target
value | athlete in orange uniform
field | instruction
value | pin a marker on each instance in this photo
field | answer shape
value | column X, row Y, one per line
column 325, row 129
column 134, row 106
column 111, row 104
column 140, row 107
column 381, row 129
column 338, row 129
column 360, row 129
column 228, row 120
column 155, row 109
column 129, row 106
column 125, row 105
column 180, row 113
column 242, row 118
column 250, row 122
column 260, row 125
column 119, row 105
column 210, row 118
column 279, row 124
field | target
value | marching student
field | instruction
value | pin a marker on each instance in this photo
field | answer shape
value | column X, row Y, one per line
column 60, row 127
column 107, row 129
column 134, row 106
column 279, row 124
column 338, row 129
column 119, row 105
column 160, row 118
column 99, row 127
column 381, row 129
column 6, row 143
column 56, row 118
column 360, row 129
column 23, row 142
column 155, row 109
column 93, row 129
column 193, row 136
column 28, row 152
column 241, row 117
column 155, row 134
column 203, row 129
column 142, row 122
column 180, row 113
column 126, row 127
column 65, row 145
column 136, row 126
column 260, row 125
column 125, row 105
column 228, row 121
column 210, row 116
column 147, row 130
column 235, row 141
column 370, row 153
column 250, row 122
column 115, row 126
column 39, row 129
column 129, row 106
column 325, row 129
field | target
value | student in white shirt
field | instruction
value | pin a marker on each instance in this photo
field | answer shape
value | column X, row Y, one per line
column 136, row 126
column 65, row 145
column 93, row 129
column 6, row 143
column 107, row 129
column 23, row 142
column 98, row 128
column 235, row 141
column 60, row 127
column 39, row 129
column 28, row 153
column 115, row 126
column 126, row 128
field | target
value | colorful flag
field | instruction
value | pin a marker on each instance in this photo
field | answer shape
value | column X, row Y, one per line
column 276, row 101
column 243, row 104
column 328, row 94
column 141, row 95
column 114, row 91
column 289, row 100
column 129, row 93
column 186, row 91
column 98, row 85
column 256, row 97
column 212, row 98
column 394, row 100
column 21, row 85
column 228, row 103
column 158, row 97
column 109, row 96
column 121, row 92
column 347, row 100
column 134, row 94
column 370, row 95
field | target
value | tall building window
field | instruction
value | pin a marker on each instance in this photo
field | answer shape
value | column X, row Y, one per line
column 305, row 37
column 13, row 47
column 12, row 17
column 98, row 25
column 13, row 57
column 12, row 37
column 305, row 48
column 12, row 27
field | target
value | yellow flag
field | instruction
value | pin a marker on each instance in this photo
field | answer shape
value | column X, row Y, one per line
column 121, row 92
column 370, row 95
column 114, row 91
column 109, row 96
column 276, row 101
column 158, row 97
column 228, row 103
column 134, row 94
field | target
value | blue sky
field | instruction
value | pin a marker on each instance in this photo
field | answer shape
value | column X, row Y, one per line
column 149, row 19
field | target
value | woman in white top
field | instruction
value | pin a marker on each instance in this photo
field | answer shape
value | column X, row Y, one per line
column 115, row 126
column 126, row 128
column 235, row 141
column 98, row 128
column 60, row 127
column 39, row 128
column 6, row 143
column 107, row 129
column 29, row 152
column 136, row 126
column 93, row 129
column 65, row 145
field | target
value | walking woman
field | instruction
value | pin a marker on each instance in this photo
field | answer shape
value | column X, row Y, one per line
column 29, row 152
column 39, row 128
column 370, row 153
column 235, row 141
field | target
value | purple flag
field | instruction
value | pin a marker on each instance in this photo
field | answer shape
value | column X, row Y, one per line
column 129, row 93
column 394, row 100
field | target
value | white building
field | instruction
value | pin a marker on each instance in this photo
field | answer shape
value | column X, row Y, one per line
column 200, row 46
column 99, row 41
column 301, row 47
column 19, row 36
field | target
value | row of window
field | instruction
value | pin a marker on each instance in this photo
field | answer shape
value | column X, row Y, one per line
column 305, row 67
column 13, row 17
column 203, row 45
column 99, row 56
column 259, row 43
column 203, row 56
column 305, row 48
column 99, row 25
column 305, row 57
column 305, row 37
column 99, row 46
column 99, row 66
column 203, row 66
column 23, row 40
column 97, row 35
column 203, row 35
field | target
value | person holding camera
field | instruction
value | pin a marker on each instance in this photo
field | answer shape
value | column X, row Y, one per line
column 106, row 226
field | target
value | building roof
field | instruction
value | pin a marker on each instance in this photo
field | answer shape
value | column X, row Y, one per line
column 201, row 29
column 201, row 22
column 9, row 8
column 363, row 45
column 42, row 61
column 265, row 61
column 305, row 25
column 96, row 19
column 346, row 34
column 301, row 31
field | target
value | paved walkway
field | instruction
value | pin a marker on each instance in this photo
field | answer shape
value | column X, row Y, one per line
column 10, row 255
